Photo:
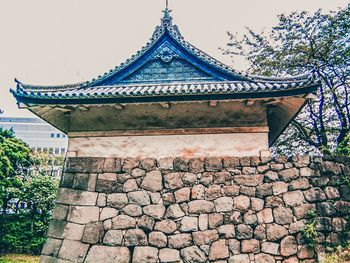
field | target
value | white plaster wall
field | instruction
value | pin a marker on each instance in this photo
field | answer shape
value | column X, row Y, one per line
column 190, row 146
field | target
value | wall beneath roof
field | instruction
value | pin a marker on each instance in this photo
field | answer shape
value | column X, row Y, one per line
column 190, row 146
column 195, row 210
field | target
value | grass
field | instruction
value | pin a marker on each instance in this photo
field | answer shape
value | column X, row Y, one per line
column 18, row 258
column 341, row 256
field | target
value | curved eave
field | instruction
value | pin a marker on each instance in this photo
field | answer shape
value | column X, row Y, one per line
column 162, row 98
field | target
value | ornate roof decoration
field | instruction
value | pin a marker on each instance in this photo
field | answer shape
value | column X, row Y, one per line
column 166, row 66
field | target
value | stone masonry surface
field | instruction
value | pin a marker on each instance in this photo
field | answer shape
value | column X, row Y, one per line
column 197, row 210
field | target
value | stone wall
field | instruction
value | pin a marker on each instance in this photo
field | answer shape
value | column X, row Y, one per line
column 213, row 210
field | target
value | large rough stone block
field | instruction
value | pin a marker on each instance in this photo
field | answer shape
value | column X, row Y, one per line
column 123, row 222
column 113, row 238
column 213, row 164
column 196, row 165
column 108, row 213
column 145, row 255
column 83, row 214
column 130, row 186
column 289, row 174
column 73, row 231
column 183, row 195
column 215, row 220
column 314, row 195
column 85, row 165
column 73, row 251
column 139, row 197
column 51, row 247
column 112, row 165
column 200, row 207
column 243, row 258
column 56, row 228
column 148, row 164
column 93, row 233
column 67, row 180
column 275, row 232
column 293, row 198
column 265, row 216
column 213, row 192
column 264, row 258
column 223, row 204
column 226, row 231
column 129, row 164
column 181, row 164
column 189, row 224
column 146, row 223
column 189, row 179
column 76, row 197
column 60, row 212
column 166, row 164
column 180, row 241
column 174, row 212
column 167, row 226
column 270, row 248
column 153, row 181
column 244, row 232
column 283, row 215
column 264, row 190
column 289, row 246
column 135, row 237
column 157, row 239
column 249, row 180
column 156, row 211
column 193, row 254
column 169, row 255
column 104, row 254
column 250, row 246
column 173, row 181
column 242, row 203
column 107, row 177
column 218, row 250
column 83, row 182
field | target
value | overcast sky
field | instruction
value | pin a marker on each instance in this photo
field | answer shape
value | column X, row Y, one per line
column 65, row 41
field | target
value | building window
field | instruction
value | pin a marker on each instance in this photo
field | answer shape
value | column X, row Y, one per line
column 52, row 135
column 58, row 135
column 63, row 150
column 63, row 135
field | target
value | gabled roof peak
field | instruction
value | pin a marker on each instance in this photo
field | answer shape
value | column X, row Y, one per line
column 166, row 25
column 166, row 45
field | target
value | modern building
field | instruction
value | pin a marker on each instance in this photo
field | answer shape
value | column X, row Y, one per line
column 38, row 134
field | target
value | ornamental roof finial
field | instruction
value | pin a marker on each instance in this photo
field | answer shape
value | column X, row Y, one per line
column 167, row 19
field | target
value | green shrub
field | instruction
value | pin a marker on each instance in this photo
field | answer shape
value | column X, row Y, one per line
column 309, row 232
column 22, row 233
column 25, row 231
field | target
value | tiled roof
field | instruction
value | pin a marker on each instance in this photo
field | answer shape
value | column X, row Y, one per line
column 242, row 88
column 101, row 87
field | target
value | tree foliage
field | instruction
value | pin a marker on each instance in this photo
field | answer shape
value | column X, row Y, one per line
column 14, row 161
column 25, row 177
column 316, row 44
